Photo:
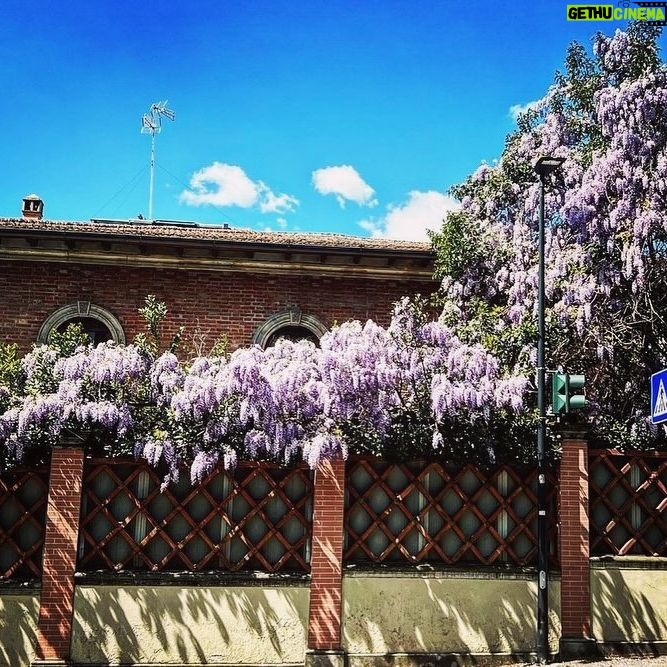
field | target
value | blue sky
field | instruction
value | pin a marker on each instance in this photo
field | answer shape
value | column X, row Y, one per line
column 336, row 116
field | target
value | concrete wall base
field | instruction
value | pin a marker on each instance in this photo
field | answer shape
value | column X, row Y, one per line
column 438, row 659
column 575, row 648
column 51, row 662
column 647, row 648
column 324, row 658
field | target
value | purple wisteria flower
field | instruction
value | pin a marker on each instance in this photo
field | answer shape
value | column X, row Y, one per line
column 291, row 400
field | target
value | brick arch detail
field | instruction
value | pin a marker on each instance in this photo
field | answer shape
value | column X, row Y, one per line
column 289, row 317
column 81, row 309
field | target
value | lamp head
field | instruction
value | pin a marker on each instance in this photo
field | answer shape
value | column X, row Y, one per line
column 547, row 165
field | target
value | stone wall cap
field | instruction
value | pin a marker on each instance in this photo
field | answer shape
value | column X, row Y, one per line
column 186, row 578
column 629, row 562
column 442, row 571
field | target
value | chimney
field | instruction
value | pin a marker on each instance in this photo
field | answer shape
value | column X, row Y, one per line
column 33, row 208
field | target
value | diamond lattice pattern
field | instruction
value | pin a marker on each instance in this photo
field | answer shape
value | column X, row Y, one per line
column 256, row 518
column 23, row 495
column 427, row 512
column 628, row 498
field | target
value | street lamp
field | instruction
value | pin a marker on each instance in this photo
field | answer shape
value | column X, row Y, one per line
column 543, row 167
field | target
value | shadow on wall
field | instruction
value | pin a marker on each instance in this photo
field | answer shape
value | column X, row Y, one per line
column 432, row 613
column 189, row 625
column 18, row 629
column 629, row 605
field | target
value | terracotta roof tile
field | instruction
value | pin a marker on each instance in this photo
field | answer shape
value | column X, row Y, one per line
column 187, row 231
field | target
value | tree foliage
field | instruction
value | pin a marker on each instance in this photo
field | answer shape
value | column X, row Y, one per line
column 606, row 236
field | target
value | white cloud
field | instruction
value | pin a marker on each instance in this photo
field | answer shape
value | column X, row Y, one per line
column 409, row 221
column 280, row 225
column 222, row 184
column 345, row 182
column 272, row 203
column 517, row 109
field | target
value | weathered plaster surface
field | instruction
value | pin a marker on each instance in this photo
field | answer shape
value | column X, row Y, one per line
column 18, row 627
column 443, row 614
column 629, row 603
column 190, row 625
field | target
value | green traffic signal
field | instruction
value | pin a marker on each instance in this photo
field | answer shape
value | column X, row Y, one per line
column 567, row 392
column 576, row 396
column 559, row 393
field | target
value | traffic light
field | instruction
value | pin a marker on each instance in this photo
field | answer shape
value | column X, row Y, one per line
column 567, row 392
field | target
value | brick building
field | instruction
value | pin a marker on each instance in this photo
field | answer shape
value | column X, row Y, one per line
column 216, row 280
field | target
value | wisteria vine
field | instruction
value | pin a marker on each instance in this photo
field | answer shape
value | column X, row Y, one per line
column 293, row 400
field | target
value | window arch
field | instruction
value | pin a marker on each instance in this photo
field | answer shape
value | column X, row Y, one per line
column 290, row 323
column 98, row 322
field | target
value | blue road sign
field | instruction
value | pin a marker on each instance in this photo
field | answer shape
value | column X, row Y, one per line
column 659, row 397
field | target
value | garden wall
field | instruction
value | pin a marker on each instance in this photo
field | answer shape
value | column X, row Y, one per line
column 190, row 625
column 417, row 613
column 369, row 562
column 18, row 626
column 629, row 602
column 469, row 613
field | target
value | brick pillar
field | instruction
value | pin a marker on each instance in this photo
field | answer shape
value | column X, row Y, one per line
column 326, row 566
column 576, row 640
column 54, row 626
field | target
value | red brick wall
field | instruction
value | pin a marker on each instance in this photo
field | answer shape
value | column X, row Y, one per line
column 54, row 626
column 224, row 303
column 574, row 540
column 326, row 560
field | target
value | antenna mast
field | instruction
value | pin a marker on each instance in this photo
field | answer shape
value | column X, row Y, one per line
column 151, row 123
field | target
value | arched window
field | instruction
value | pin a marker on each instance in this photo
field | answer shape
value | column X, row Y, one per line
column 97, row 322
column 291, row 324
column 292, row 332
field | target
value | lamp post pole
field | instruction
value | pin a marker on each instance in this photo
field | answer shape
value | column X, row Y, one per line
column 543, row 167
column 542, row 534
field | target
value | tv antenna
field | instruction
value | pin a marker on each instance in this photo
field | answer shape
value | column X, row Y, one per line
column 151, row 123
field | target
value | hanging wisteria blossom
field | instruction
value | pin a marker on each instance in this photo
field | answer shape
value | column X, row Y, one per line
column 291, row 401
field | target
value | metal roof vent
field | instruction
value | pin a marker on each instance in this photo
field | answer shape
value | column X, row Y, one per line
column 33, row 207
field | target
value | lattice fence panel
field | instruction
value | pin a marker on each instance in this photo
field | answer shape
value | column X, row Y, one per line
column 256, row 518
column 433, row 513
column 23, row 497
column 628, row 501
